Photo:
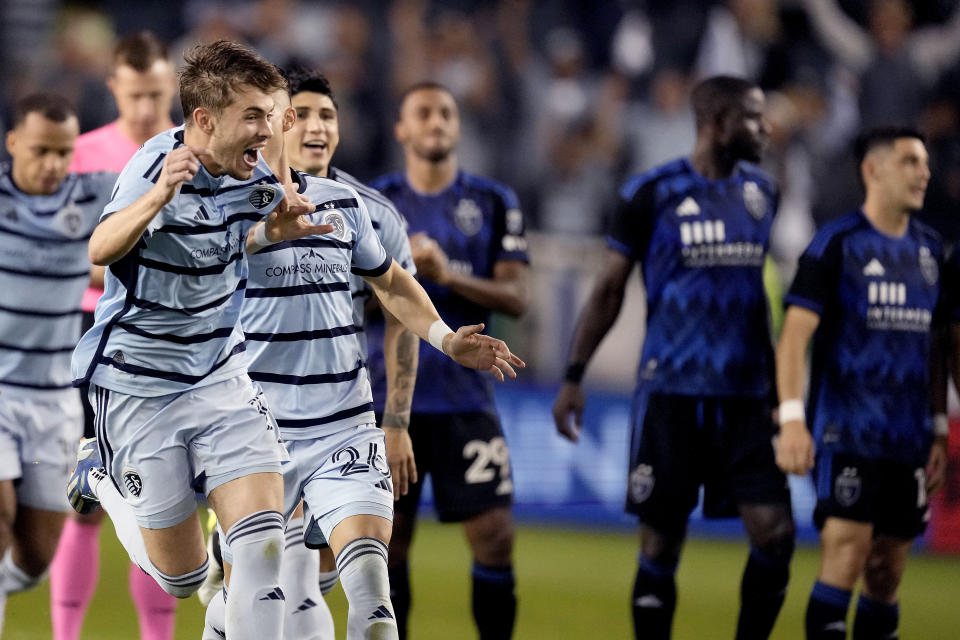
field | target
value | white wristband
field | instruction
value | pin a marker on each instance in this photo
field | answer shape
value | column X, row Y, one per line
column 941, row 425
column 260, row 235
column 438, row 330
column 791, row 410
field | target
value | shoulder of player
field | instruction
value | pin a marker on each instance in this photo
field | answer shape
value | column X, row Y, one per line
column 499, row 190
column 328, row 193
column 926, row 234
column 754, row 173
column 94, row 182
column 648, row 179
column 835, row 231
column 389, row 182
column 377, row 203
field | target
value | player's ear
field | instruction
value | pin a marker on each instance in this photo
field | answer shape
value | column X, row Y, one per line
column 10, row 140
column 289, row 118
column 399, row 131
column 203, row 119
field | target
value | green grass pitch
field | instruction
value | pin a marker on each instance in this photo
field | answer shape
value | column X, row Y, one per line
column 571, row 584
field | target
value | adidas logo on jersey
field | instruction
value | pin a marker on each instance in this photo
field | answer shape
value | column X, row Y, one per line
column 201, row 214
column 874, row 268
column 688, row 207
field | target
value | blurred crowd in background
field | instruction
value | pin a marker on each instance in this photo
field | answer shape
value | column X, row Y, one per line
column 563, row 99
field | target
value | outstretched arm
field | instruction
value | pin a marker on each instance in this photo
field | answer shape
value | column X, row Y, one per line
column 598, row 315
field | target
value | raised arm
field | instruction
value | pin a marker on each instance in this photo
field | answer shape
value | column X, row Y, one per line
column 843, row 37
column 795, row 445
column 596, row 318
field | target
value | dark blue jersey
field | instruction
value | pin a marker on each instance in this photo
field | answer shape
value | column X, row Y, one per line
column 701, row 244
column 477, row 222
column 877, row 298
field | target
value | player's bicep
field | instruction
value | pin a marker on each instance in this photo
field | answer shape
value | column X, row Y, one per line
column 799, row 325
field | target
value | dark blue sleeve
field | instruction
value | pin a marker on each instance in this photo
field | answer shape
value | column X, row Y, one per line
column 632, row 223
column 814, row 286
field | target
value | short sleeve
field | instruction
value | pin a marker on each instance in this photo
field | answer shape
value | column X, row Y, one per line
column 632, row 224
column 369, row 257
column 393, row 235
column 136, row 179
column 509, row 227
column 814, row 286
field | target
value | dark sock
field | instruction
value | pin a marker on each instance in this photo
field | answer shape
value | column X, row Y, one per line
column 762, row 590
column 827, row 612
column 400, row 596
column 494, row 602
column 875, row 619
column 654, row 600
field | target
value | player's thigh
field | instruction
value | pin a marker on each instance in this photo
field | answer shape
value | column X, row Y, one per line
column 844, row 547
column 360, row 526
column 490, row 535
column 245, row 495
column 885, row 566
column 903, row 509
column 345, row 475
column 471, row 465
column 665, row 470
column 177, row 549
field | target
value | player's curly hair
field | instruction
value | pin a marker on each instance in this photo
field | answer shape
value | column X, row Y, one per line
column 713, row 97
column 214, row 72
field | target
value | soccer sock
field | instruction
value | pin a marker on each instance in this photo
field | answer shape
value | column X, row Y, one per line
column 654, row 600
column 328, row 580
column 362, row 564
column 156, row 609
column 762, row 591
column 875, row 619
column 214, row 622
column 494, row 601
column 255, row 602
column 73, row 578
column 827, row 612
column 13, row 579
column 400, row 596
column 307, row 616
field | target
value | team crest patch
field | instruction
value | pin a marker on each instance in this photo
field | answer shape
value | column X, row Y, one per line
column 468, row 217
column 132, row 482
column 846, row 488
column 641, row 483
column 928, row 266
column 754, row 199
column 71, row 218
column 262, row 196
column 335, row 218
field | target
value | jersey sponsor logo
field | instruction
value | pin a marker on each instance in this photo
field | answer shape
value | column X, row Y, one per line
column 262, row 197
column 514, row 222
column 309, row 269
column 468, row 217
column 754, row 199
column 335, row 218
column 928, row 266
column 846, row 487
column 688, row 207
column 887, row 309
column 223, row 252
column 132, row 482
column 705, row 245
column 641, row 483
column 874, row 268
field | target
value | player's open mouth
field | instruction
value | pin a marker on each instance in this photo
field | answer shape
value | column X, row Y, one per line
column 251, row 157
column 316, row 145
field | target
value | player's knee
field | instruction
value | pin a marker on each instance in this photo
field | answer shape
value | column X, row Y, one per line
column 659, row 548
column 184, row 585
column 881, row 578
column 491, row 537
column 778, row 540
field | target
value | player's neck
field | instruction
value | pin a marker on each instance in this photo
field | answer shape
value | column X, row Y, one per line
column 194, row 137
column 711, row 162
column 431, row 177
column 138, row 136
column 888, row 220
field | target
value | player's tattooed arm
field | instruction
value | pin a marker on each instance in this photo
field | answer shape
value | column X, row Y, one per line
column 596, row 318
column 401, row 354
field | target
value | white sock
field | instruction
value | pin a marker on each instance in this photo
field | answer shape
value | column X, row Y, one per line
column 362, row 565
column 328, row 580
column 13, row 579
column 255, row 602
column 307, row 615
column 214, row 627
column 128, row 532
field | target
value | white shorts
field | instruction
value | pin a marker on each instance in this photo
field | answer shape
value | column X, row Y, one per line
column 341, row 475
column 159, row 452
column 39, row 433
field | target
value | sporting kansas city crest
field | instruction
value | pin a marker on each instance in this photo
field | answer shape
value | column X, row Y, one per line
column 132, row 482
column 262, row 196
column 846, row 487
column 641, row 483
column 928, row 266
column 335, row 218
column 754, row 199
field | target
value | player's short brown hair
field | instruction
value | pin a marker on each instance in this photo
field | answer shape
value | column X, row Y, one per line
column 139, row 51
column 51, row 106
column 214, row 72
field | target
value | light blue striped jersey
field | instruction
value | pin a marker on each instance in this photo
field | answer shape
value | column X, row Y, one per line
column 44, row 271
column 391, row 228
column 169, row 318
column 298, row 317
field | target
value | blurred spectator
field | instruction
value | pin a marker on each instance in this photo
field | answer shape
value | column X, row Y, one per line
column 737, row 38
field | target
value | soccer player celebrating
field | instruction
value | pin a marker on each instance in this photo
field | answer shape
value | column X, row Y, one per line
column 699, row 227
column 48, row 215
column 867, row 291
column 298, row 318
column 143, row 84
column 470, row 253
column 175, row 409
